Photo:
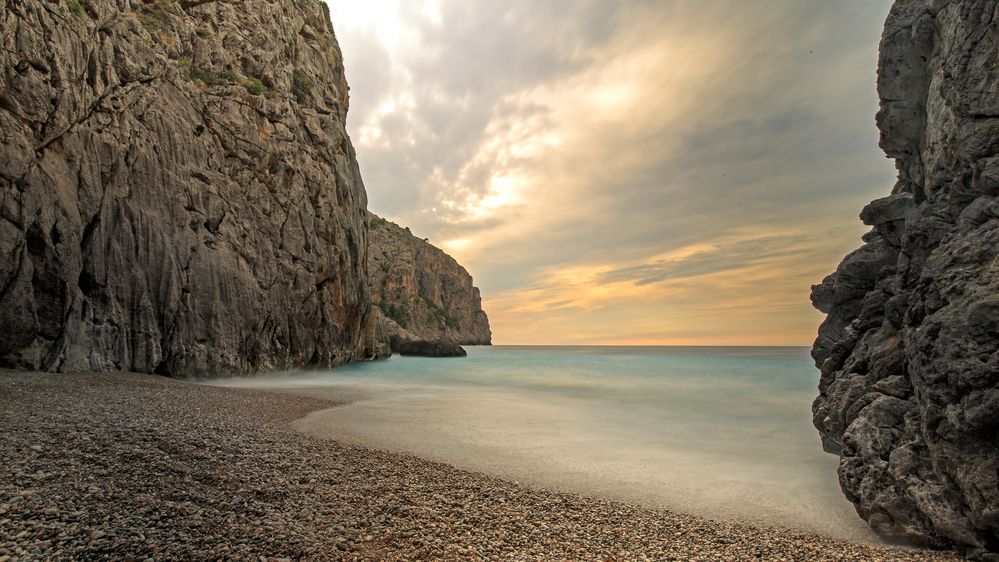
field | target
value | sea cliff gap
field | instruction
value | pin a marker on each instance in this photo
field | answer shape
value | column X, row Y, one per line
column 735, row 293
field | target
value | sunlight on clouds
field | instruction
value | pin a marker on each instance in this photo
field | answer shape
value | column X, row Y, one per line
column 623, row 172
column 550, row 128
column 432, row 11
column 502, row 192
column 679, row 311
column 382, row 18
column 379, row 16
column 455, row 245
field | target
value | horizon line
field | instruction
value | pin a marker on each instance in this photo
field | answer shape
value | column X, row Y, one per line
column 629, row 345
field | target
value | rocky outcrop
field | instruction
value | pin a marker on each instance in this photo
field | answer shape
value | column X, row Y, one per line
column 427, row 348
column 909, row 352
column 178, row 193
column 425, row 295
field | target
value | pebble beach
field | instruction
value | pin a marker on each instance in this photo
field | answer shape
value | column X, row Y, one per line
column 141, row 467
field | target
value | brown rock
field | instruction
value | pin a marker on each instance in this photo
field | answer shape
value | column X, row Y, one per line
column 426, row 296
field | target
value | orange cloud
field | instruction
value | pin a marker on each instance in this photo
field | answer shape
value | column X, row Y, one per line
column 645, row 173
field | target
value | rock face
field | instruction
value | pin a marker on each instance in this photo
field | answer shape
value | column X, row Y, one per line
column 178, row 193
column 909, row 353
column 427, row 348
column 425, row 294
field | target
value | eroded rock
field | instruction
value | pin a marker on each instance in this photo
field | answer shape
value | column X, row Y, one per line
column 430, row 304
column 909, row 351
column 178, row 193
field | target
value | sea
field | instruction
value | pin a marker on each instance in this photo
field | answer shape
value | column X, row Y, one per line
column 722, row 432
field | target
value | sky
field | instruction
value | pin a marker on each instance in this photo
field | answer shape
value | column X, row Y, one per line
column 672, row 172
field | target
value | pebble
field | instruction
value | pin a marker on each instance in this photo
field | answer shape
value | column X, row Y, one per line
column 183, row 471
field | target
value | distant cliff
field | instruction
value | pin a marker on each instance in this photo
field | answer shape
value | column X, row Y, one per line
column 423, row 292
column 909, row 353
column 178, row 193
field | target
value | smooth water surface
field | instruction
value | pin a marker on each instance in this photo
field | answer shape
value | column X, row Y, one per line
column 718, row 431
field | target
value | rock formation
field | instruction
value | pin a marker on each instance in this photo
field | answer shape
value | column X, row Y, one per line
column 909, row 352
column 429, row 303
column 177, row 190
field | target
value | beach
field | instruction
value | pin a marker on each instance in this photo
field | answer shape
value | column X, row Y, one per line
column 139, row 467
column 723, row 432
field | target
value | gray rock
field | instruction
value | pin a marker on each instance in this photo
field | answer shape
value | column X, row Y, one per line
column 909, row 351
column 178, row 193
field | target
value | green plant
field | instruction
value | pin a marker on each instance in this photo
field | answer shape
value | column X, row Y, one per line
column 301, row 86
column 255, row 86
column 398, row 313
column 438, row 311
column 204, row 75
column 183, row 62
column 75, row 7
column 212, row 79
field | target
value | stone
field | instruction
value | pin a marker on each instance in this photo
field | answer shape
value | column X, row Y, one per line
column 427, row 301
column 909, row 351
column 178, row 193
column 428, row 348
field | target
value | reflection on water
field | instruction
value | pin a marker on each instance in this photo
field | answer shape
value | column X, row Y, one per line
column 722, row 432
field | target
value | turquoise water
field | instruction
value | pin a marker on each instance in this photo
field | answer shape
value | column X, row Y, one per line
column 718, row 431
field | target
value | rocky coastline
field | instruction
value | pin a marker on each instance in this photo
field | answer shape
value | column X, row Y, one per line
column 909, row 351
column 427, row 302
column 179, row 195
column 178, row 192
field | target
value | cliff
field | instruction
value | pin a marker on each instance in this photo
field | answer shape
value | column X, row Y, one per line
column 909, row 352
column 178, row 193
column 425, row 294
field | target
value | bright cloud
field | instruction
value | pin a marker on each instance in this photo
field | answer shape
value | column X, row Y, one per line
column 643, row 172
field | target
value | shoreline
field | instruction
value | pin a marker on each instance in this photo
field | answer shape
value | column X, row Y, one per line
column 140, row 465
column 355, row 405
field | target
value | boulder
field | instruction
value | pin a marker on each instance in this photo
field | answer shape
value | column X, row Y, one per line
column 909, row 350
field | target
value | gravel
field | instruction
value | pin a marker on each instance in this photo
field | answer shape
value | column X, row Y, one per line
column 139, row 467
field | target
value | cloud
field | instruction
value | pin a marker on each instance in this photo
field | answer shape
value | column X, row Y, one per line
column 727, row 257
column 606, row 138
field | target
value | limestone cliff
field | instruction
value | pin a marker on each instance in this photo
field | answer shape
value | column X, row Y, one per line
column 177, row 190
column 423, row 292
column 909, row 353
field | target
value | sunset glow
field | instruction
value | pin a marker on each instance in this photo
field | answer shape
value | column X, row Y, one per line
column 673, row 172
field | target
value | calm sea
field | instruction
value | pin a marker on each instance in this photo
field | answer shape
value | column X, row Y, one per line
column 718, row 431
